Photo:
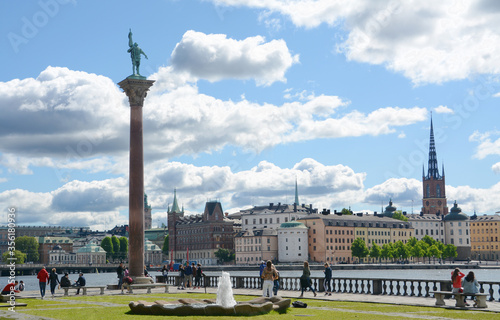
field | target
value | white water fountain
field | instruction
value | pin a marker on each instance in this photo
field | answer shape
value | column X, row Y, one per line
column 225, row 296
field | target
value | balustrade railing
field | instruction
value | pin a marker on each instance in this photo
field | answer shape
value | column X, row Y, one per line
column 396, row 287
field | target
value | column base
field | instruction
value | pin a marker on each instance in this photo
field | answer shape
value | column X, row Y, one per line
column 142, row 280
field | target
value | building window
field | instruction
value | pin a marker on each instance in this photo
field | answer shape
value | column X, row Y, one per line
column 428, row 191
column 438, row 191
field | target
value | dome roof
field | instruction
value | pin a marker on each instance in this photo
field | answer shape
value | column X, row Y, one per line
column 456, row 214
column 293, row 224
column 90, row 247
column 389, row 210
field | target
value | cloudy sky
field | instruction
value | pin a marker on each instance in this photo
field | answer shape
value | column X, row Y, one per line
column 250, row 95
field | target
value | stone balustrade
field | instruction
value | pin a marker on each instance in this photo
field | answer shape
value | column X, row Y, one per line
column 396, row 287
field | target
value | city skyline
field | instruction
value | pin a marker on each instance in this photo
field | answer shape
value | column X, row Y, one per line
column 249, row 98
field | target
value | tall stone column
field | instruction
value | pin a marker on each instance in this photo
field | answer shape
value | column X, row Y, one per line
column 136, row 89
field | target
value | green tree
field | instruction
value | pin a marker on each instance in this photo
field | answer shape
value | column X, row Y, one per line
column 387, row 251
column 346, row 211
column 359, row 248
column 433, row 251
column 116, row 247
column 165, row 246
column 399, row 215
column 224, row 255
column 430, row 241
column 401, row 250
column 123, row 248
column 450, row 251
column 19, row 257
column 29, row 246
column 419, row 249
column 107, row 245
column 375, row 251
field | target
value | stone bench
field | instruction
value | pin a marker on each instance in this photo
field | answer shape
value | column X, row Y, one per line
column 84, row 289
column 147, row 286
column 459, row 297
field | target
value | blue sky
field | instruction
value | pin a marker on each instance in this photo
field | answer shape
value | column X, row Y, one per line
column 249, row 96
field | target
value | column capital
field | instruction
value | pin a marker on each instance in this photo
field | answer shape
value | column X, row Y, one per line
column 136, row 90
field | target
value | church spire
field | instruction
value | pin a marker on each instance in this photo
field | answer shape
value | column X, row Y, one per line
column 175, row 205
column 433, row 171
column 296, row 192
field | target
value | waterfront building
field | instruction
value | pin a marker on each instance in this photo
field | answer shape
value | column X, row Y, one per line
column 90, row 254
column 456, row 226
column 292, row 242
column 152, row 253
column 433, row 184
column 46, row 244
column 253, row 246
column 198, row 237
column 330, row 236
column 427, row 225
column 156, row 235
column 59, row 256
column 272, row 216
column 485, row 237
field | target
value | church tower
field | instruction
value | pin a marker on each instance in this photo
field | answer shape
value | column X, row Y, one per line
column 434, row 199
column 173, row 215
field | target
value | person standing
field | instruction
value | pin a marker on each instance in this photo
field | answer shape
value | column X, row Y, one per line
column 268, row 275
column 188, row 273
column 181, row 277
column 43, row 277
column 197, row 278
column 164, row 273
column 120, row 272
column 80, row 283
column 328, row 279
column 276, row 282
column 305, row 280
column 261, row 268
column 53, row 281
column 470, row 285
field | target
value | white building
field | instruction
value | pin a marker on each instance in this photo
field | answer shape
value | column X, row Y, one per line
column 457, row 231
column 292, row 242
column 152, row 253
column 272, row 216
column 253, row 246
column 91, row 254
column 59, row 256
column 427, row 225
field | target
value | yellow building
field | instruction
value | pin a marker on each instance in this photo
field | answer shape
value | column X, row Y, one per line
column 485, row 234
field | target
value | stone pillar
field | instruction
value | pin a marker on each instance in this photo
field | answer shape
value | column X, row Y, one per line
column 136, row 89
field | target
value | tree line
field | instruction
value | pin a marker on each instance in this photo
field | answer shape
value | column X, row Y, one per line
column 426, row 248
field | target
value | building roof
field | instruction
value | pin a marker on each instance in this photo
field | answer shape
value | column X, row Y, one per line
column 90, row 247
column 389, row 210
column 358, row 221
column 293, row 224
column 487, row 218
column 456, row 214
column 58, row 240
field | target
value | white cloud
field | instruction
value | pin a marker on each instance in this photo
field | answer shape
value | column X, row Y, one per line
column 471, row 199
column 215, row 57
column 429, row 42
column 401, row 190
column 486, row 146
column 496, row 167
column 496, row 95
column 443, row 109
column 73, row 120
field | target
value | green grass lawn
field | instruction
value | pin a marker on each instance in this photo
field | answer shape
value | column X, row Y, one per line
column 116, row 307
